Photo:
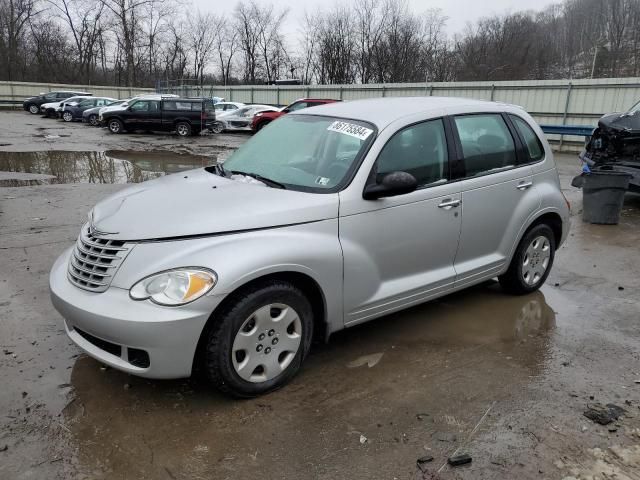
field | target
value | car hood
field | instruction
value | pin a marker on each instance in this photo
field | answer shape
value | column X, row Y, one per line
column 625, row 122
column 51, row 104
column 197, row 202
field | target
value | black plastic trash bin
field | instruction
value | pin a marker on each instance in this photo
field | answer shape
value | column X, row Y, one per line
column 603, row 196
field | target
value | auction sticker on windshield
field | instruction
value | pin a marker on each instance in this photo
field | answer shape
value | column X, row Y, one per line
column 351, row 129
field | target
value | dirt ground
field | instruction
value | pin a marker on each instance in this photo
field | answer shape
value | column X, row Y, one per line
column 504, row 379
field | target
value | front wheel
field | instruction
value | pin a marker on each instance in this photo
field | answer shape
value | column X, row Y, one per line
column 183, row 129
column 531, row 262
column 217, row 127
column 93, row 120
column 115, row 126
column 67, row 116
column 34, row 109
column 259, row 340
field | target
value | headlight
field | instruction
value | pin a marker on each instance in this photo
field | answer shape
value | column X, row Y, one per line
column 174, row 287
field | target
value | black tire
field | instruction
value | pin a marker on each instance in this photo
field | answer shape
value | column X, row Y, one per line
column 34, row 109
column 115, row 126
column 217, row 127
column 513, row 281
column 93, row 120
column 218, row 363
column 183, row 129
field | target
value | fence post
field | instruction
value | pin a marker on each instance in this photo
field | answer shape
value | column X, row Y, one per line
column 384, row 90
column 565, row 113
column 431, row 90
column 308, row 92
column 341, row 92
column 252, row 94
column 493, row 90
column 278, row 95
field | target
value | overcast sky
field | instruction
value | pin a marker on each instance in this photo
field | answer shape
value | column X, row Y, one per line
column 460, row 12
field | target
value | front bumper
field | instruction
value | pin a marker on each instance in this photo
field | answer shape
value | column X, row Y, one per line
column 103, row 324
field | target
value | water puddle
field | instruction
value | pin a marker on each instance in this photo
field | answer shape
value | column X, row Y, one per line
column 19, row 169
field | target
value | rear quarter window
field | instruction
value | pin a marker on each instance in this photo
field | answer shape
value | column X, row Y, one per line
column 533, row 144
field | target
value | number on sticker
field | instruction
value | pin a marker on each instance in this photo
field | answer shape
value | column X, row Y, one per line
column 351, row 129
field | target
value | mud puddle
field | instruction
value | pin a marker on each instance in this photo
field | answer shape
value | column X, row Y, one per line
column 436, row 369
column 112, row 166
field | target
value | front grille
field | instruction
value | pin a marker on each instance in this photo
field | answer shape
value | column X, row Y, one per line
column 95, row 260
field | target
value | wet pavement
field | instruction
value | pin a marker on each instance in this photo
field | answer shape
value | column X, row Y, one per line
column 505, row 379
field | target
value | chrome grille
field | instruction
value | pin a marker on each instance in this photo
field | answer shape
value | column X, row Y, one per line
column 94, row 261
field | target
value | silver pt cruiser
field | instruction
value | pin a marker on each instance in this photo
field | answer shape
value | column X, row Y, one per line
column 329, row 217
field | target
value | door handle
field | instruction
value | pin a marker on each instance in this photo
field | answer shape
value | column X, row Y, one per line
column 524, row 185
column 449, row 203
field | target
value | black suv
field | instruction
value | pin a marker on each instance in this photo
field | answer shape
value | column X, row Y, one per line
column 186, row 116
column 32, row 105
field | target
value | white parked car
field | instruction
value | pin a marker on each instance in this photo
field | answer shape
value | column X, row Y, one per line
column 222, row 107
column 239, row 119
column 55, row 109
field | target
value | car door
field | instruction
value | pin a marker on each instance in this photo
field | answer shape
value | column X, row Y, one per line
column 135, row 115
column 498, row 194
column 399, row 251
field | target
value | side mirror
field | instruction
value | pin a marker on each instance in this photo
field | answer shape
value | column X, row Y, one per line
column 286, row 110
column 392, row 184
column 128, row 109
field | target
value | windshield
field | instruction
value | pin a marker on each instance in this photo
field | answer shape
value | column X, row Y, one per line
column 304, row 152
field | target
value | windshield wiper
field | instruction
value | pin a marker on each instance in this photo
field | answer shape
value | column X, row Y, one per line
column 268, row 181
column 218, row 169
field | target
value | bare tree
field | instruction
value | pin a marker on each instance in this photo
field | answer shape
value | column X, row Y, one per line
column 201, row 37
column 84, row 21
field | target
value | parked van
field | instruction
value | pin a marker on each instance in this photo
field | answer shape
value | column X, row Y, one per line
column 331, row 217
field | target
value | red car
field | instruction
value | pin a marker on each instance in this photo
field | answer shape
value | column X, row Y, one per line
column 262, row 118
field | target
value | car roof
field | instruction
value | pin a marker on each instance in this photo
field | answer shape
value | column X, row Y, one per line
column 383, row 111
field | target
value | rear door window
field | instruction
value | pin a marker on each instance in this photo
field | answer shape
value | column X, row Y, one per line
column 420, row 150
column 487, row 144
column 533, row 145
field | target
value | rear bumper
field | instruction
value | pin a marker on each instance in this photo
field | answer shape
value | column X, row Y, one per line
column 111, row 327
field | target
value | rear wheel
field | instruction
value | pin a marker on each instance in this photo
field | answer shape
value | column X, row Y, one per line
column 183, row 129
column 67, row 116
column 115, row 126
column 93, row 120
column 259, row 340
column 531, row 262
column 33, row 109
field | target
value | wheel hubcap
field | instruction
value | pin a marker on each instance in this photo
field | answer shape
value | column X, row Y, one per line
column 266, row 343
column 536, row 260
column 67, row 116
column 182, row 130
column 115, row 127
column 33, row 109
column 92, row 120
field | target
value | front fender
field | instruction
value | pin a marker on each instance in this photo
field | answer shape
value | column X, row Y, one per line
column 312, row 249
